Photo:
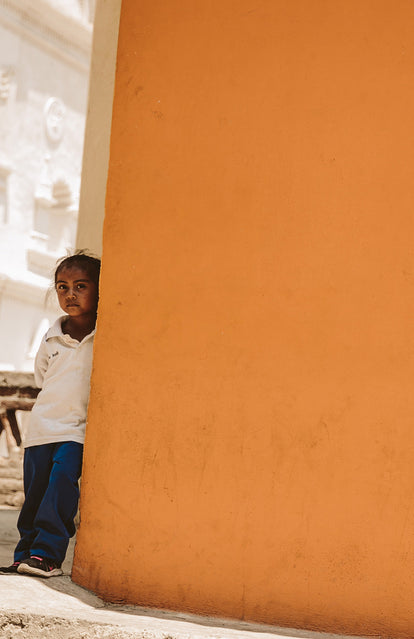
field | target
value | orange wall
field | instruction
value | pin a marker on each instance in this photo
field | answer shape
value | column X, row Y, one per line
column 250, row 442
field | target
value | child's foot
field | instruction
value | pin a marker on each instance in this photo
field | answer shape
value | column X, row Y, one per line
column 39, row 566
column 10, row 569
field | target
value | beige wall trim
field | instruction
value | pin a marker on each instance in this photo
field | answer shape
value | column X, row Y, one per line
column 66, row 37
column 98, row 126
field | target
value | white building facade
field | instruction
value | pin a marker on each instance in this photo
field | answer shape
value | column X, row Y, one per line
column 45, row 49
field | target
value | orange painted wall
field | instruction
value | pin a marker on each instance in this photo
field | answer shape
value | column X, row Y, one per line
column 250, row 441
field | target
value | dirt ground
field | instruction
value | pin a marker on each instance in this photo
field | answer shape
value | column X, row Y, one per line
column 13, row 626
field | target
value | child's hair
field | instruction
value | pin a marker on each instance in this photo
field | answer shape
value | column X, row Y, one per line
column 81, row 259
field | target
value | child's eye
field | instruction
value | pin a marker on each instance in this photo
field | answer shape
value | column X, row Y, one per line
column 80, row 286
column 61, row 287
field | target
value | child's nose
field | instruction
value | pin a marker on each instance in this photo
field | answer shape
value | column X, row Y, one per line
column 71, row 292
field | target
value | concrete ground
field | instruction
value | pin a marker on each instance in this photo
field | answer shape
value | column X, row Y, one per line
column 45, row 608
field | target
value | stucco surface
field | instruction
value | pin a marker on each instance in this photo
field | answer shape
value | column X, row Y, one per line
column 250, row 443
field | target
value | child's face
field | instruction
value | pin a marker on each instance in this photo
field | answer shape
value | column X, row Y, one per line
column 77, row 293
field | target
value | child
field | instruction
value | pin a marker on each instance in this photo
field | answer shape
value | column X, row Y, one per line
column 54, row 442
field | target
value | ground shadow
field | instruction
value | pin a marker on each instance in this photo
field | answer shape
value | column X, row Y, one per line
column 189, row 621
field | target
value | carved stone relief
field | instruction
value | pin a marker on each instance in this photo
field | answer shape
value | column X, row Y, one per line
column 5, row 77
column 54, row 115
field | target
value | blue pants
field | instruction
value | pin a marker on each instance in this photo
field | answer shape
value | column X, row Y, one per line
column 51, row 474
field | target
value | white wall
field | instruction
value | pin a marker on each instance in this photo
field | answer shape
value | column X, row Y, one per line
column 44, row 74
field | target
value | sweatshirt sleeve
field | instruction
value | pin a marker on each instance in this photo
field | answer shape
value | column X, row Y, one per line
column 41, row 363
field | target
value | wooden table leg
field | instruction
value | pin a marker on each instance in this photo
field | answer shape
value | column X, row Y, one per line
column 11, row 416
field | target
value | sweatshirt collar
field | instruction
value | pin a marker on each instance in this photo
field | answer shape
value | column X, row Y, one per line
column 56, row 329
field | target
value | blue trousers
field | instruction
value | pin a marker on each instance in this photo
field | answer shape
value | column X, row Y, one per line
column 46, row 521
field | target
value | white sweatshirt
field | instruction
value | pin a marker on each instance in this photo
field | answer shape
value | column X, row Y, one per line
column 62, row 371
